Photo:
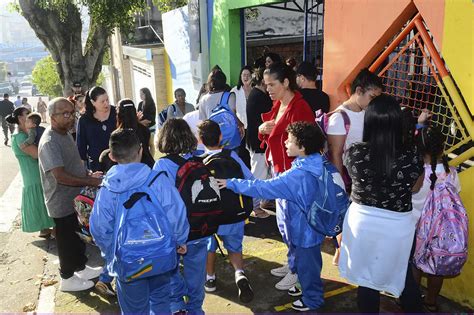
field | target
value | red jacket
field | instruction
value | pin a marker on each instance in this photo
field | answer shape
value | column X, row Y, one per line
column 297, row 110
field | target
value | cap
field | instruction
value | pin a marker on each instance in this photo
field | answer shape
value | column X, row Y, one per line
column 76, row 84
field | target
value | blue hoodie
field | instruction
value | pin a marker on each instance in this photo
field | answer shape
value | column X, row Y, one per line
column 296, row 186
column 124, row 178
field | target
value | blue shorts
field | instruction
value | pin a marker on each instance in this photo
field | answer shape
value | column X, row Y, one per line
column 233, row 243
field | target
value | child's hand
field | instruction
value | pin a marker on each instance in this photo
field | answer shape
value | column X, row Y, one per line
column 182, row 249
column 97, row 174
column 424, row 116
column 222, row 183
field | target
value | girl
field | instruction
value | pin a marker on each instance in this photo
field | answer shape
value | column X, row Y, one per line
column 431, row 142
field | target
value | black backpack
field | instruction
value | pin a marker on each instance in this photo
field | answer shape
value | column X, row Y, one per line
column 236, row 207
column 200, row 193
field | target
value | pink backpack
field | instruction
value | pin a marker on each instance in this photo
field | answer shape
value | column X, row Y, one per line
column 442, row 231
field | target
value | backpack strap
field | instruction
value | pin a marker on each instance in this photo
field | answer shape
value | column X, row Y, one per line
column 175, row 158
column 225, row 98
column 345, row 118
column 174, row 109
column 138, row 195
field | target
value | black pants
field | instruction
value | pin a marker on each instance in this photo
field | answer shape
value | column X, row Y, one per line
column 71, row 249
column 6, row 126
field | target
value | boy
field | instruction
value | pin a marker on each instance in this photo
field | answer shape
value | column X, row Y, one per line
column 305, row 142
column 149, row 294
column 35, row 131
column 231, row 234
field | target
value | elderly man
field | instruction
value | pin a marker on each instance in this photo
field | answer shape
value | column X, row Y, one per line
column 62, row 175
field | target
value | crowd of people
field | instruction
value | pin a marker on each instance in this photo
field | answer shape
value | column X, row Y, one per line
column 388, row 160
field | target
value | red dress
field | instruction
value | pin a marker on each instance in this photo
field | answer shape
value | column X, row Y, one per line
column 297, row 110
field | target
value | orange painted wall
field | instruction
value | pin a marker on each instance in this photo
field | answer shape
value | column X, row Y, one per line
column 355, row 32
column 432, row 12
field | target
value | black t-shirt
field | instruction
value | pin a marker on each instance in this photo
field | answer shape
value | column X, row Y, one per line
column 316, row 99
column 149, row 112
column 258, row 103
column 6, row 108
column 387, row 193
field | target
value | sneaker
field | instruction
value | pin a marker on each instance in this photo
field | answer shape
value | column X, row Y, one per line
column 280, row 271
column 210, row 285
column 299, row 306
column 294, row 291
column 89, row 272
column 287, row 282
column 75, row 284
column 105, row 288
column 180, row 312
column 245, row 290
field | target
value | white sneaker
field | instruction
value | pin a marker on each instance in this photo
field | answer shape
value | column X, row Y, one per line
column 75, row 284
column 287, row 282
column 89, row 272
column 280, row 271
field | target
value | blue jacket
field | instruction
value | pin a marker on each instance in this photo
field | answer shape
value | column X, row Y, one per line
column 171, row 169
column 122, row 178
column 296, row 186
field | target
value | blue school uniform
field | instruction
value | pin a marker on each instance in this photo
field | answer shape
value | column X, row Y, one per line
column 150, row 294
column 194, row 261
column 296, row 187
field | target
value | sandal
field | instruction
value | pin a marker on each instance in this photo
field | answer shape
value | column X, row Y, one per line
column 46, row 233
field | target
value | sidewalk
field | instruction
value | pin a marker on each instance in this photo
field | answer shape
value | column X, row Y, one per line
column 29, row 276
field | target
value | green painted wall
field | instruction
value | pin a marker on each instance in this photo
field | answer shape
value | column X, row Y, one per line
column 225, row 37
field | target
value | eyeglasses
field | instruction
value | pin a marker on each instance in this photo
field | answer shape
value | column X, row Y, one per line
column 66, row 114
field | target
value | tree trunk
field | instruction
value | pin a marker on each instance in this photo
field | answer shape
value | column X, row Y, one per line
column 62, row 38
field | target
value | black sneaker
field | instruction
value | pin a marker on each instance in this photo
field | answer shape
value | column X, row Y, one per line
column 294, row 291
column 299, row 306
column 210, row 285
column 245, row 290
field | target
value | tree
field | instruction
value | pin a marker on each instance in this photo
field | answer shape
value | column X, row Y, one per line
column 58, row 24
column 168, row 5
column 46, row 78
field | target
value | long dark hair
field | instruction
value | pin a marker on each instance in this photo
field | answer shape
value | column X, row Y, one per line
column 383, row 133
column 280, row 72
column 92, row 95
column 366, row 80
column 240, row 83
column 127, row 115
column 431, row 142
column 13, row 117
column 148, row 98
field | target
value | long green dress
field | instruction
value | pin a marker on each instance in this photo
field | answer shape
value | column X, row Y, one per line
column 34, row 216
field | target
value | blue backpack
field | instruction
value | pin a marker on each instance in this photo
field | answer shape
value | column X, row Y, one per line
column 327, row 212
column 227, row 121
column 145, row 244
column 163, row 115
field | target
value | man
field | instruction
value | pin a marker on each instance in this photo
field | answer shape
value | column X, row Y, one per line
column 306, row 75
column 18, row 101
column 6, row 108
column 62, row 175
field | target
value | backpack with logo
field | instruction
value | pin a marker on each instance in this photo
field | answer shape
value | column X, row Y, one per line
column 83, row 204
column 442, row 231
column 228, row 123
column 163, row 115
column 322, row 120
column 145, row 244
column 236, row 207
column 327, row 212
column 201, row 195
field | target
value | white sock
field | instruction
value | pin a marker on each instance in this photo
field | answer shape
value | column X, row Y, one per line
column 208, row 277
column 239, row 271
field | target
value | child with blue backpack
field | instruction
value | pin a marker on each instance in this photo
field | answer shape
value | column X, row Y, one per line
column 231, row 234
column 442, row 231
column 179, row 143
column 298, row 187
column 139, row 223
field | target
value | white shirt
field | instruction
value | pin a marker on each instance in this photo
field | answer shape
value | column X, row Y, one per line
column 336, row 127
column 241, row 104
column 210, row 101
column 192, row 118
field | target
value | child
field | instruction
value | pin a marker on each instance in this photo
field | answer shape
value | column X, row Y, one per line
column 231, row 234
column 431, row 144
column 35, row 131
column 145, row 294
column 296, row 186
column 176, row 138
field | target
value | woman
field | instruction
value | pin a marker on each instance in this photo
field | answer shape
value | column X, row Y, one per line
column 42, row 108
column 146, row 108
column 216, row 84
column 34, row 216
column 288, row 107
column 272, row 58
column 95, row 126
column 258, row 102
column 24, row 103
column 127, row 119
column 379, row 227
column 341, row 135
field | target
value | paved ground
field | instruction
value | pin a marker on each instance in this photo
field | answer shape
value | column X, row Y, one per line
column 28, row 269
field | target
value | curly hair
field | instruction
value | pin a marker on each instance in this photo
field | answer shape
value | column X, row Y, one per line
column 176, row 137
column 307, row 135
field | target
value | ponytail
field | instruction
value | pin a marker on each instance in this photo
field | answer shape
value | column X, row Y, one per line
column 92, row 95
column 12, row 119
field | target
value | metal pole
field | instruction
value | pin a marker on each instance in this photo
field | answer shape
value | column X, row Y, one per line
column 305, row 35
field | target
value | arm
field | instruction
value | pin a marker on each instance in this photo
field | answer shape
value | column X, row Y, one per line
column 336, row 149
column 102, row 223
column 67, row 179
column 31, row 150
column 81, row 138
column 31, row 138
column 419, row 183
column 245, row 170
